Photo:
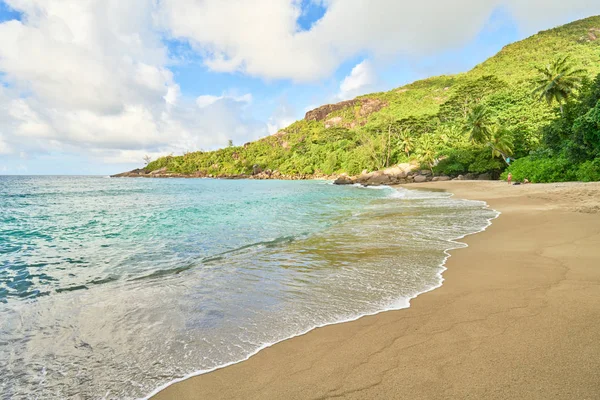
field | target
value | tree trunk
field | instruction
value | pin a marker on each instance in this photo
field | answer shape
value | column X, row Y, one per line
column 504, row 157
column 562, row 112
column 389, row 146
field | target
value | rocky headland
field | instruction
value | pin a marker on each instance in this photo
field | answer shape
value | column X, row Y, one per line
column 396, row 175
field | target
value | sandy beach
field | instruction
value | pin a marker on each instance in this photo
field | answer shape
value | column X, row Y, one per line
column 518, row 317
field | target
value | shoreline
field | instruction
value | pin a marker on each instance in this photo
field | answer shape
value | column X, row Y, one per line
column 400, row 174
column 243, row 379
column 400, row 304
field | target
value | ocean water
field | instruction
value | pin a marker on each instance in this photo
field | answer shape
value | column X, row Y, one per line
column 112, row 288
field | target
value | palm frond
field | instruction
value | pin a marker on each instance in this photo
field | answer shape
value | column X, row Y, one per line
column 557, row 81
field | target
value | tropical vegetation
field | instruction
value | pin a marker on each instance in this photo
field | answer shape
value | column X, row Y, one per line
column 558, row 81
column 570, row 148
column 535, row 102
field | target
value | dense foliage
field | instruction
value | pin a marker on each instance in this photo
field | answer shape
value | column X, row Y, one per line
column 469, row 122
column 570, row 147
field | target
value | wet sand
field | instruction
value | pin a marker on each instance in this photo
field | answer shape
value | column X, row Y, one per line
column 518, row 317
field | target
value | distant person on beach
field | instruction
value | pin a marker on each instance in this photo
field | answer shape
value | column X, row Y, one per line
column 509, row 178
column 525, row 181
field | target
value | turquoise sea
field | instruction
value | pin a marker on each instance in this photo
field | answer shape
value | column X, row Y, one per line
column 112, row 288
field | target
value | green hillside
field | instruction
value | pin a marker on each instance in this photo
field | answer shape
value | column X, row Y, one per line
column 426, row 121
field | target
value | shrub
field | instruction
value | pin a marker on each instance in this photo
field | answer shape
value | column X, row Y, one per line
column 589, row 171
column 308, row 170
column 456, row 162
column 542, row 170
column 484, row 163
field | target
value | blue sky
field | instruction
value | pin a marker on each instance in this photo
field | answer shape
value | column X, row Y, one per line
column 186, row 86
column 196, row 80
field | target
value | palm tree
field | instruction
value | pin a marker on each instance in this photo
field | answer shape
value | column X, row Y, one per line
column 406, row 141
column 478, row 124
column 442, row 137
column 558, row 81
column 373, row 148
column 427, row 151
column 389, row 121
column 501, row 143
column 451, row 135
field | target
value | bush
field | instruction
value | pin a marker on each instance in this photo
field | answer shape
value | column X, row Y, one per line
column 456, row 162
column 160, row 163
column 330, row 165
column 352, row 166
column 542, row 170
column 484, row 163
column 308, row 170
column 589, row 171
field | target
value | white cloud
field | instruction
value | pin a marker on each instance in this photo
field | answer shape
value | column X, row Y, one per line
column 226, row 119
column 261, row 37
column 91, row 77
column 534, row 15
column 207, row 100
column 361, row 78
column 4, row 147
column 283, row 117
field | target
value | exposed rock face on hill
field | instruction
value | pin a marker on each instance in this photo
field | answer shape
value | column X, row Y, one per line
column 592, row 35
column 368, row 106
column 319, row 114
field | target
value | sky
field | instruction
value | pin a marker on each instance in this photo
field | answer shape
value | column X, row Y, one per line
column 90, row 87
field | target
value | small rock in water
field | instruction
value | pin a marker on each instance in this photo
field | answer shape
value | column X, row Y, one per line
column 343, row 179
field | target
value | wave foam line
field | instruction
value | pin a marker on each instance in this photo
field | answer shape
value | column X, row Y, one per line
column 399, row 304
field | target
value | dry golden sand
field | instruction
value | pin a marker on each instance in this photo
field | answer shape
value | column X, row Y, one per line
column 518, row 317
